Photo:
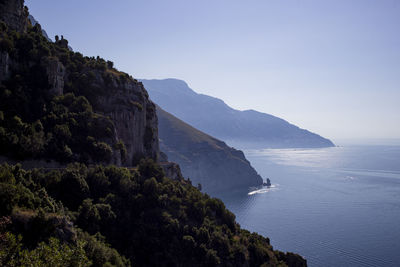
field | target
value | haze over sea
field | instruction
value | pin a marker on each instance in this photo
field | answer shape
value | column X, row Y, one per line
column 335, row 206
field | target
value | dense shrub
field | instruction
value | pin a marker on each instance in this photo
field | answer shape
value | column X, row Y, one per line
column 69, row 130
column 147, row 217
column 34, row 123
column 35, row 228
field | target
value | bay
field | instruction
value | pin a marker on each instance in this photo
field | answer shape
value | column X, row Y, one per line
column 336, row 206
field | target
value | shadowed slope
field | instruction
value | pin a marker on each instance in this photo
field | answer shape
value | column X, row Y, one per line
column 204, row 159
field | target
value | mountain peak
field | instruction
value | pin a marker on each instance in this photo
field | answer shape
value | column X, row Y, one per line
column 212, row 116
column 170, row 84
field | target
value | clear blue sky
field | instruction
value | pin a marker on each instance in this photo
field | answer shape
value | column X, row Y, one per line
column 332, row 67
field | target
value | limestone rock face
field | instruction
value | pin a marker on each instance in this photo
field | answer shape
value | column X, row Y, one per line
column 133, row 114
column 12, row 12
column 56, row 72
column 5, row 63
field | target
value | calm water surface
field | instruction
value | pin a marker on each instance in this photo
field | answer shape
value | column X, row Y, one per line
column 335, row 206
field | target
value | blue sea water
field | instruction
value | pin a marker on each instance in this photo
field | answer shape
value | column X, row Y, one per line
column 335, row 206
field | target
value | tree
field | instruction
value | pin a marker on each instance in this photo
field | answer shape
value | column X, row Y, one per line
column 110, row 64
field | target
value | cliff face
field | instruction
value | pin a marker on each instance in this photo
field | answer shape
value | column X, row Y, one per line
column 204, row 159
column 13, row 12
column 55, row 73
column 133, row 115
column 111, row 93
column 77, row 109
column 5, row 62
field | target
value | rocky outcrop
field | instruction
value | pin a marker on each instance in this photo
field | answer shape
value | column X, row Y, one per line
column 133, row 114
column 172, row 170
column 55, row 72
column 135, row 127
column 14, row 14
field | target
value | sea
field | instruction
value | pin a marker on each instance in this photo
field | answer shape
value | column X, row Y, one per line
column 337, row 206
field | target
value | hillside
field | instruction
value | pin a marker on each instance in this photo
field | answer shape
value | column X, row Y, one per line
column 46, row 89
column 60, row 106
column 211, row 115
column 204, row 159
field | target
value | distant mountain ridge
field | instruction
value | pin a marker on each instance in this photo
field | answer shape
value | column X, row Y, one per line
column 211, row 115
column 204, row 159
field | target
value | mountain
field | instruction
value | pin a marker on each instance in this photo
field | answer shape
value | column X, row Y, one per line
column 211, row 115
column 204, row 159
column 57, row 105
column 46, row 89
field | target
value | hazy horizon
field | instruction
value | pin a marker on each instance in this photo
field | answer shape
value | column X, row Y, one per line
column 330, row 67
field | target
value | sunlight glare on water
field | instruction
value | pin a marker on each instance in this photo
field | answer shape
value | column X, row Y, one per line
column 335, row 206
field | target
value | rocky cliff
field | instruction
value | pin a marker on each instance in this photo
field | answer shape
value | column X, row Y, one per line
column 59, row 105
column 112, row 94
column 134, row 117
column 5, row 63
column 14, row 13
column 204, row 159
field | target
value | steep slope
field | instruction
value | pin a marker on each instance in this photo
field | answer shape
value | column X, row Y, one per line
column 14, row 14
column 204, row 159
column 151, row 220
column 59, row 105
column 212, row 116
column 46, row 88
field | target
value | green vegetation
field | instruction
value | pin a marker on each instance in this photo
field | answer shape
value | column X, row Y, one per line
column 36, row 228
column 67, row 131
column 148, row 218
column 88, row 214
column 36, row 124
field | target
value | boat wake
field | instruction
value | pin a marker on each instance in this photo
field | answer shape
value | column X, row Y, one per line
column 264, row 189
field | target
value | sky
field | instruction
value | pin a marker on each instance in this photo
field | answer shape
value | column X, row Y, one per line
column 332, row 66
